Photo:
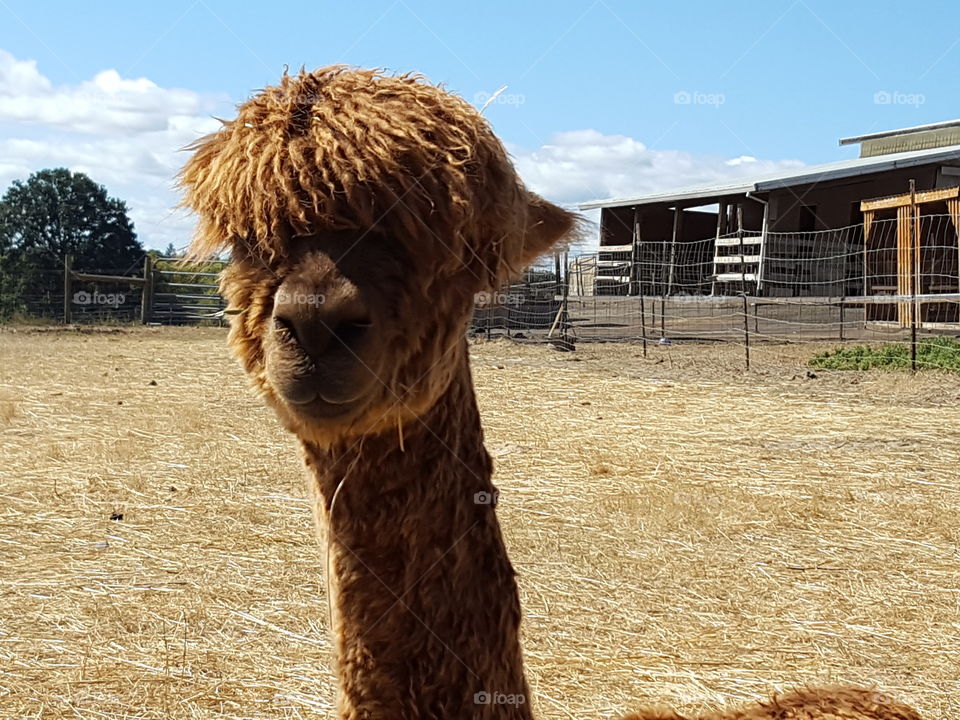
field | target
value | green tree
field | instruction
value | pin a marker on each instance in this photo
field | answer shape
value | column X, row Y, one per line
column 53, row 214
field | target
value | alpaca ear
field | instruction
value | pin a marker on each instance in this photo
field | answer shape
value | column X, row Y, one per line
column 547, row 227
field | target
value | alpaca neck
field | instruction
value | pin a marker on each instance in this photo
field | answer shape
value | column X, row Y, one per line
column 426, row 609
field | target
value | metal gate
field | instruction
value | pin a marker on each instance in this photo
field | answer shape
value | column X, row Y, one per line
column 187, row 293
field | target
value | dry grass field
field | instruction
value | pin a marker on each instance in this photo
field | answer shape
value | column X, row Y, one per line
column 684, row 532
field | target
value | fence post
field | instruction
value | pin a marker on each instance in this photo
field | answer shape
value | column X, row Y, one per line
column 565, row 317
column 146, row 297
column 743, row 267
column 746, row 330
column 635, row 281
column 643, row 324
column 913, row 334
column 915, row 274
column 67, row 289
column 841, row 318
column 663, row 316
column 558, row 289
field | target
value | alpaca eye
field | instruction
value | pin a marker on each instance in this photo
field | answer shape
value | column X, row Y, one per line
column 349, row 331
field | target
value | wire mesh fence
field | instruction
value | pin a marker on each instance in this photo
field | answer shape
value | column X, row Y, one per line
column 40, row 296
column 893, row 282
column 890, row 284
column 161, row 290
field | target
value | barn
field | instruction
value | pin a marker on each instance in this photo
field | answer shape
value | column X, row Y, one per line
column 882, row 225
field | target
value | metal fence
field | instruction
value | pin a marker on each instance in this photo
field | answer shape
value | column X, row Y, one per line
column 161, row 290
column 186, row 293
column 784, row 287
column 893, row 285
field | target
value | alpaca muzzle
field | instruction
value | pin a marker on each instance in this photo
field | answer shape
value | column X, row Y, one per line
column 318, row 350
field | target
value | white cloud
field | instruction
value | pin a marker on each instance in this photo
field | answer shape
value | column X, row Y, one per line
column 106, row 104
column 126, row 134
column 588, row 165
column 20, row 77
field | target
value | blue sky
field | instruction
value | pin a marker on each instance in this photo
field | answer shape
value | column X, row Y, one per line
column 604, row 97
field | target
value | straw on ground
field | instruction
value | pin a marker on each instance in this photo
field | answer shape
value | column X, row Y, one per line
column 684, row 532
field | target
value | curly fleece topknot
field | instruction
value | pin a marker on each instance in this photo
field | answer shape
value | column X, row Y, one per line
column 342, row 149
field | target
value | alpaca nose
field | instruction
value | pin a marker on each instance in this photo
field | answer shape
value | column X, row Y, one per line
column 326, row 323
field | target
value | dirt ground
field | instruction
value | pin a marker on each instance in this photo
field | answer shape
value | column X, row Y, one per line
column 685, row 532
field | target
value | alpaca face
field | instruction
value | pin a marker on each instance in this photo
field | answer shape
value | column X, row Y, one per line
column 363, row 213
column 348, row 333
column 345, row 334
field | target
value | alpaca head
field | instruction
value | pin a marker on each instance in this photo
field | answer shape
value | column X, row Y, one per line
column 362, row 213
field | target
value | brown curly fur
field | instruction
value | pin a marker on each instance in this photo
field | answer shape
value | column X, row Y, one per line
column 394, row 202
column 343, row 150
column 826, row 703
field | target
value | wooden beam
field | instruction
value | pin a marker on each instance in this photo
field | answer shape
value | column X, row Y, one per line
column 108, row 278
column 745, row 240
column 765, row 223
column 895, row 201
column 904, row 263
column 721, row 215
column 556, row 268
column 677, row 220
column 67, row 289
column 914, row 279
column 953, row 207
column 634, row 288
column 146, row 295
column 743, row 287
column 867, row 227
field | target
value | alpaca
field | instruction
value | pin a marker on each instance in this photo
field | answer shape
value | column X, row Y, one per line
column 363, row 213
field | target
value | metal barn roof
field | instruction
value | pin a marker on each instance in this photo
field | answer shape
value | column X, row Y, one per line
column 902, row 131
column 788, row 178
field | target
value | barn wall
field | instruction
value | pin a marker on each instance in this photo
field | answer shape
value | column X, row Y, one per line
column 752, row 215
column 616, row 226
column 797, row 262
column 698, row 225
column 835, row 200
column 656, row 225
